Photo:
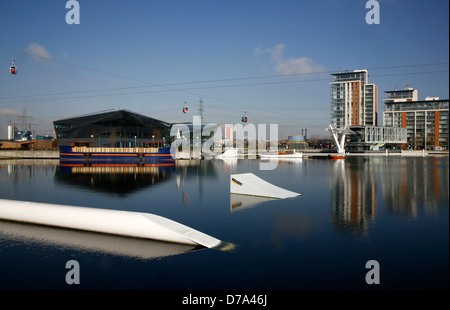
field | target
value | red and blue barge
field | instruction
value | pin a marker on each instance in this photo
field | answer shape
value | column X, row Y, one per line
column 82, row 152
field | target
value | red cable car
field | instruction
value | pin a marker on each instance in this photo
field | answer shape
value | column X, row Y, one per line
column 13, row 68
column 185, row 109
column 244, row 118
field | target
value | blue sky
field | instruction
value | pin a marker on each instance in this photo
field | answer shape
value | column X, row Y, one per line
column 269, row 59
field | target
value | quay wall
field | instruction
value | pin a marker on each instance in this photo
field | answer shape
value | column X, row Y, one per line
column 27, row 154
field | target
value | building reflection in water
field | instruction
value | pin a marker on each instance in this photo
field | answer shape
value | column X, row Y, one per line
column 118, row 179
column 124, row 179
column 415, row 184
column 103, row 179
column 19, row 170
column 353, row 195
column 404, row 185
column 193, row 171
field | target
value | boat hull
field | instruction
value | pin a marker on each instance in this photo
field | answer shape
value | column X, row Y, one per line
column 284, row 156
column 70, row 154
column 334, row 157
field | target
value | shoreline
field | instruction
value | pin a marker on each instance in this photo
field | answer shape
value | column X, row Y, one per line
column 29, row 154
column 54, row 154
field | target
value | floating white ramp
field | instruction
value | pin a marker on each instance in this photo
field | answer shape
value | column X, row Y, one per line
column 250, row 184
column 116, row 222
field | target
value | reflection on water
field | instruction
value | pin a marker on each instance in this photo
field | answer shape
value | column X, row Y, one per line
column 357, row 185
column 276, row 244
column 353, row 195
column 102, row 179
column 19, row 170
column 123, row 179
column 404, row 184
column 240, row 202
column 117, row 179
column 414, row 184
column 90, row 241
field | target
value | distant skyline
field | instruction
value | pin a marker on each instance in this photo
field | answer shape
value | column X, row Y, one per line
column 271, row 60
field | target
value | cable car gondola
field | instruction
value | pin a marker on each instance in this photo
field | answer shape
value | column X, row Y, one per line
column 244, row 118
column 13, row 68
column 185, row 109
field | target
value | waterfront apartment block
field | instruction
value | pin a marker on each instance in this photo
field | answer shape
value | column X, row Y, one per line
column 353, row 100
column 426, row 120
column 403, row 95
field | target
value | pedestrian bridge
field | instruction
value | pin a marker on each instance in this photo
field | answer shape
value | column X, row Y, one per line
column 370, row 136
column 383, row 135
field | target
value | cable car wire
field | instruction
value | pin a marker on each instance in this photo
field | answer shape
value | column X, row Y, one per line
column 167, row 87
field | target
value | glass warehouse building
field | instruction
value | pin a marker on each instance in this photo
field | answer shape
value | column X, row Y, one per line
column 114, row 128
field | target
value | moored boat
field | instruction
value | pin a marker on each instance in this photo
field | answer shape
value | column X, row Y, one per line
column 82, row 151
column 284, row 155
column 336, row 156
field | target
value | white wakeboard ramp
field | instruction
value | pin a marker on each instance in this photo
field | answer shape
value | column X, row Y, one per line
column 250, row 184
column 116, row 222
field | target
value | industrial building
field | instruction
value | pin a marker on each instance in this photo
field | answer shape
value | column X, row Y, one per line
column 113, row 128
column 19, row 139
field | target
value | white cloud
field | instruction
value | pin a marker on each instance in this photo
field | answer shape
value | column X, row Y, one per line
column 276, row 51
column 286, row 66
column 9, row 112
column 298, row 65
column 37, row 51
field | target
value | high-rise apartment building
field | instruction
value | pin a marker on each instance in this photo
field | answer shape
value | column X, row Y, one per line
column 353, row 100
column 426, row 121
column 404, row 95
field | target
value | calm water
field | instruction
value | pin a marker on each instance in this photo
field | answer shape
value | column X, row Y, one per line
column 388, row 209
